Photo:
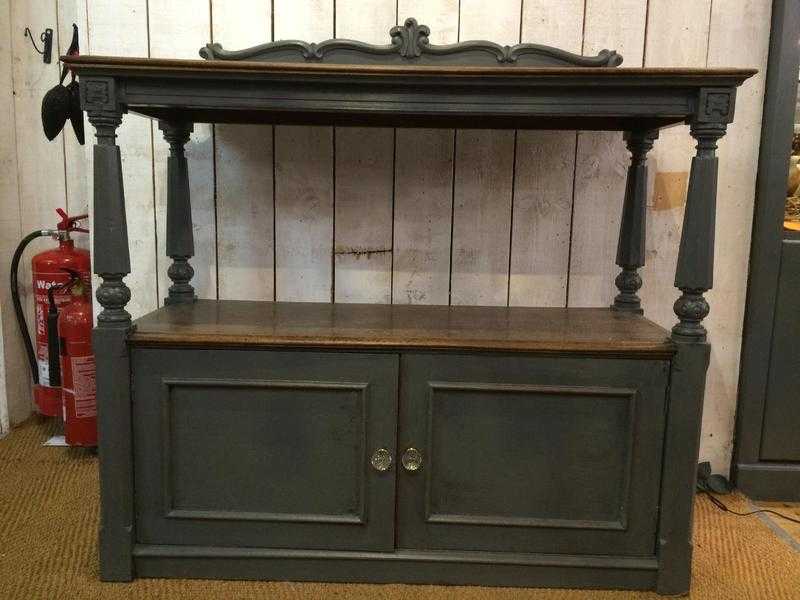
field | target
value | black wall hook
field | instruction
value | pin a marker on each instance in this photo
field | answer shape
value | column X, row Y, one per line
column 47, row 39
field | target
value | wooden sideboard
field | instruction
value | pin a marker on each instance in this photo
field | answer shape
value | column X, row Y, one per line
column 351, row 442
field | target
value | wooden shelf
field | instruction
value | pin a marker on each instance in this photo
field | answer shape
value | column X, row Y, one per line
column 211, row 323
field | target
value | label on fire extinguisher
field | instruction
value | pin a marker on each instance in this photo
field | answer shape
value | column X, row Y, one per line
column 44, row 371
column 83, row 386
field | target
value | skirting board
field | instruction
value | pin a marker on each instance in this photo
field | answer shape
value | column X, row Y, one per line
column 769, row 481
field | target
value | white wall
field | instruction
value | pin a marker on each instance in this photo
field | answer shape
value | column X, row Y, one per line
column 420, row 216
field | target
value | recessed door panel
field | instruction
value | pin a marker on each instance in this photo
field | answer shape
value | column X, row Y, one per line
column 269, row 449
column 531, row 454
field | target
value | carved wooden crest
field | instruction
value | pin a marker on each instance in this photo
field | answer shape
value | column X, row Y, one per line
column 410, row 43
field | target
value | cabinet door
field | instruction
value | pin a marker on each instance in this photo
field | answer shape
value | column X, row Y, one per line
column 266, row 449
column 524, row 454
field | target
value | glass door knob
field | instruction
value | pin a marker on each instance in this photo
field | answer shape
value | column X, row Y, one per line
column 412, row 459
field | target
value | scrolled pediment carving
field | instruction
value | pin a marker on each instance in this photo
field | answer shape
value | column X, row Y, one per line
column 410, row 43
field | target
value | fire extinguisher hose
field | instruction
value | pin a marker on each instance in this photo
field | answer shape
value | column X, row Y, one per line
column 23, row 326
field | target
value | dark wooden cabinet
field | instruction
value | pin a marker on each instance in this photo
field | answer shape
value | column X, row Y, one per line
column 274, row 449
column 402, row 436
column 489, row 445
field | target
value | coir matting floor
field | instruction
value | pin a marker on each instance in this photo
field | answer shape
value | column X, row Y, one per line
column 48, row 549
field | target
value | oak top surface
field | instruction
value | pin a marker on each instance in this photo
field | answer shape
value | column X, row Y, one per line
column 89, row 62
column 381, row 326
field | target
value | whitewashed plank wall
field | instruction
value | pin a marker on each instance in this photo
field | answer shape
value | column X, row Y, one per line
column 383, row 215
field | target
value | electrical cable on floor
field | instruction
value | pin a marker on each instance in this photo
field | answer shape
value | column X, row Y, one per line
column 710, row 484
column 723, row 507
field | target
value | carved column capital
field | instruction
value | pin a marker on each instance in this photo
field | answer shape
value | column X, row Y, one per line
column 177, row 134
column 639, row 143
column 707, row 135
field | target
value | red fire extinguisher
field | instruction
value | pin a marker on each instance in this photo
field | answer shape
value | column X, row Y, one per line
column 77, row 365
column 51, row 269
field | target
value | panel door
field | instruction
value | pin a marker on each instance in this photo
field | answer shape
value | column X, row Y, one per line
column 264, row 448
column 780, row 438
column 524, row 454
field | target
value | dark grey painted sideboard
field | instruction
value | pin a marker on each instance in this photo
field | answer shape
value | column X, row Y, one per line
column 499, row 446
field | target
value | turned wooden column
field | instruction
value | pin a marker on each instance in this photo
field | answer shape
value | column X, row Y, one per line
column 695, row 271
column 694, row 276
column 109, row 338
column 631, row 245
column 180, row 239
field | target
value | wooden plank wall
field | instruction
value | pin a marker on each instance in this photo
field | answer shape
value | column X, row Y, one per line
column 383, row 215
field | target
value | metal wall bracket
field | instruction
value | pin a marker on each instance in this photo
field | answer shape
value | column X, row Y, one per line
column 46, row 38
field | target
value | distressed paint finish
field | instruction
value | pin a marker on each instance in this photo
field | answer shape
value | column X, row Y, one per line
column 423, row 204
column 423, row 209
column 15, row 389
column 484, row 163
column 364, row 181
column 40, row 182
column 483, row 179
column 303, row 178
column 543, row 176
column 243, row 171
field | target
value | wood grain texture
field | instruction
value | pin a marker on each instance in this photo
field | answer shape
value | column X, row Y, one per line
column 221, row 68
column 601, row 161
column 481, row 217
column 178, row 29
column 15, row 390
column 738, row 38
column 135, row 138
column 303, row 178
column 364, row 190
column 243, row 172
column 340, row 325
column 423, row 205
column 422, row 219
column 364, row 204
column 303, row 213
column 543, row 177
column 483, row 179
